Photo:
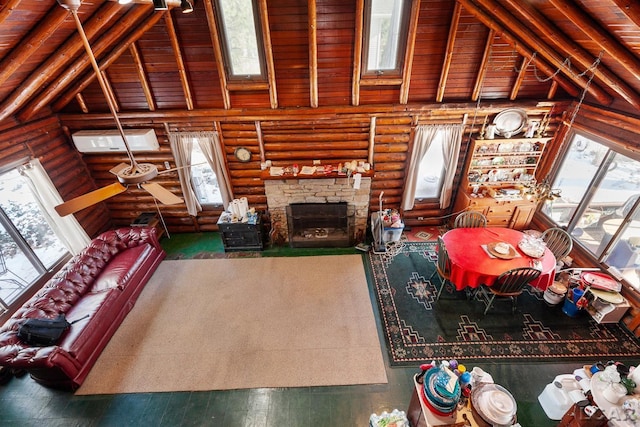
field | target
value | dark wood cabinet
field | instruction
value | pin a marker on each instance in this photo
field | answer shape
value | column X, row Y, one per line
column 239, row 236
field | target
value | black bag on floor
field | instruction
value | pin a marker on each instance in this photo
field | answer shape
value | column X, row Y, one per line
column 43, row 332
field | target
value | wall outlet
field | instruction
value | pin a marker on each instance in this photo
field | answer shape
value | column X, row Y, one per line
column 167, row 165
column 316, row 162
column 420, row 218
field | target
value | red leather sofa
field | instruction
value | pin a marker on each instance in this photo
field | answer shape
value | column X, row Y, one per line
column 103, row 281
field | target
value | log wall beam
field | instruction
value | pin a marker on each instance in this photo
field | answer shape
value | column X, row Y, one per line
column 55, row 63
column 177, row 53
column 571, row 49
column 525, row 51
column 448, row 57
column 113, row 56
column 32, row 42
column 83, row 63
column 599, row 36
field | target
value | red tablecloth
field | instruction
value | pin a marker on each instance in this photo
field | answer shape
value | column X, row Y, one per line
column 471, row 265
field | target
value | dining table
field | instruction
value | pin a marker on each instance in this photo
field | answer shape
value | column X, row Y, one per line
column 472, row 264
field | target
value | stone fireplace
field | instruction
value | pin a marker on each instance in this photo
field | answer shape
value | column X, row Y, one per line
column 288, row 191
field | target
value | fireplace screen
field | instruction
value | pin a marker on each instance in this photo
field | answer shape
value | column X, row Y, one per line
column 313, row 225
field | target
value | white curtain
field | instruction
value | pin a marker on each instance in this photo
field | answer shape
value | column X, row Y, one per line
column 181, row 145
column 451, row 139
column 67, row 228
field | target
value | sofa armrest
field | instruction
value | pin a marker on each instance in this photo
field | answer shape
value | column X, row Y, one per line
column 127, row 237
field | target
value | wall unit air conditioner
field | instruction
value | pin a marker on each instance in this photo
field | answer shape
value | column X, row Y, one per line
column 100, row 141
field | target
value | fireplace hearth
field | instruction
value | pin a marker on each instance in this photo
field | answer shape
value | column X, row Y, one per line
column 313, row 225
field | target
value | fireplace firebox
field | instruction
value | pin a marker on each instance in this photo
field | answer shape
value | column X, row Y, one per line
column 313, row 225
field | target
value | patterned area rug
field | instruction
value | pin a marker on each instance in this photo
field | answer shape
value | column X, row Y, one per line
column 418, row 329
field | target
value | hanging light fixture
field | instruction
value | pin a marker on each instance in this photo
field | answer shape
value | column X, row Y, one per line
column 186, row 6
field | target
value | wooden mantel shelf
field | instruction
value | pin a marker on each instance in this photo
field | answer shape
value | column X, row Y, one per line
column 265, row 175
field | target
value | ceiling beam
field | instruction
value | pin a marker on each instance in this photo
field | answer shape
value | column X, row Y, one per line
column 569, row 48
column 492, row 21
column 83, row 63
column 599, row 36
column 313, row 53
column 32, row 42
column 629, row 8
column 448, row 57
column 410, row 49
column 142, row 75
column 217, row 52
column 55, row 63
column 140, row 29
column 268, row 54
column 7, row 8
column 177, row 53
column 357, row 53
column 484, row 65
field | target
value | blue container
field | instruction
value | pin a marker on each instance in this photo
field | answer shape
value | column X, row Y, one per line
column 570, row 307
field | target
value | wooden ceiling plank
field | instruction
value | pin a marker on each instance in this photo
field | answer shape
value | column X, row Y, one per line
column 177, row 53
column 409, row 51
column 524, row 37
column 448, row 57
column 55, row 63
column 268, row 54
column 217, row 52
column 113, row 56
column 82, row 63
column 32, row 42
column 7, row 8
column 142, row 75
column 599, row 36
column 571, row 49
column 313, row 53
column 484, row 65
column 629, row 8
column 357, row 53
column 518, row 83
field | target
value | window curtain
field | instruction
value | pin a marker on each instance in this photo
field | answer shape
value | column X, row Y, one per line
column 181, row 145
column 67, row 228
column 424, row 136
column 451, row 151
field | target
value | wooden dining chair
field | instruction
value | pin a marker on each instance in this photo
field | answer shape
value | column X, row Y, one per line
column 508, row 285
column 443, row 266
column 470, row 219
column 558, row 241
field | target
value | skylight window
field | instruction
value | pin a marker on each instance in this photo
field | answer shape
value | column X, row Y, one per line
column 239, row 25
column 385, row 36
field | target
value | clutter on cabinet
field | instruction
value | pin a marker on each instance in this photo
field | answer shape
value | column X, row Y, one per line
column 239, row 211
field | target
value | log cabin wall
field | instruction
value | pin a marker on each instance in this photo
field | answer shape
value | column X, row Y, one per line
column 331, row 135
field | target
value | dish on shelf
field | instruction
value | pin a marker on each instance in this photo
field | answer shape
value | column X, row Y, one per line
column 494, row 404
column 501, row 250
column 510, row 122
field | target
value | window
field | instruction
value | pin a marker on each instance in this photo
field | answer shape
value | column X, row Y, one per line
column 203, row 178
column 239, row 25
column 600, row 188
column 28, row 246
column 386, row 23
column 431, row 171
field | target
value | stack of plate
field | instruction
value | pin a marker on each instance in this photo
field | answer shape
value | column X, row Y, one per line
column 437, row 397
column 494, row 404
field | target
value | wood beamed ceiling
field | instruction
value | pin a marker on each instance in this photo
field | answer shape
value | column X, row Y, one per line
column 464, row 51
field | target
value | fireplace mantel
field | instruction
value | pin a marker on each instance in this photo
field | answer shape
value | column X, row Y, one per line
column 284, row 190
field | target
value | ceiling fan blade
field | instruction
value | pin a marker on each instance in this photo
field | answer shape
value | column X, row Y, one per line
column 165, row 196
column 89, row 199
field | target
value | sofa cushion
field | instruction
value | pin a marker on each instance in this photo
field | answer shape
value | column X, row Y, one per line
column 120, row 269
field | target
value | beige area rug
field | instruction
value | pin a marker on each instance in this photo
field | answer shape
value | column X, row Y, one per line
column 219, row 324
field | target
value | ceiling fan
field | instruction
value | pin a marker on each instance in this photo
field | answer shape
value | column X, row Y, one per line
column 127, row 174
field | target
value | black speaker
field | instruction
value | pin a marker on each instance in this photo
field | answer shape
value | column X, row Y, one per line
column 160, row 5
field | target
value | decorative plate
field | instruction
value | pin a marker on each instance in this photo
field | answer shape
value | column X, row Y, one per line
column 510, row 122
column 510, row 254
column 494, row 404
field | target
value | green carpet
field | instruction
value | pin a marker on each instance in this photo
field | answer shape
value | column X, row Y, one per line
column 418, row 329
